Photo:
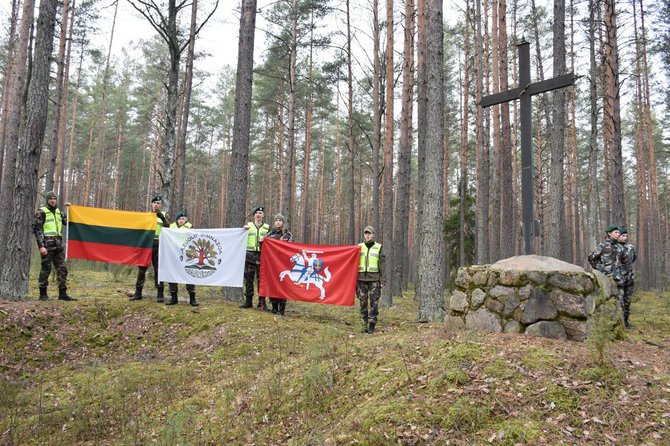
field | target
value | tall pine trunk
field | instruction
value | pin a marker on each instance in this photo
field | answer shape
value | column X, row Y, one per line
column 14, row 271
column 387, row 186
column 430, row 276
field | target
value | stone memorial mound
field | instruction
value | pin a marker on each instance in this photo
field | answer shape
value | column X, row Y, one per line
column 536, row 295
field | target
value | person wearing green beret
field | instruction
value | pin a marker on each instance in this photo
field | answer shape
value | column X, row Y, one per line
column 609, row 258
column 161, row 222
column 629, row 275
column 181, row 222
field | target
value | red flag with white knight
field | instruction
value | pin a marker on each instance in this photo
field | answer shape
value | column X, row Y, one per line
column 310, row 273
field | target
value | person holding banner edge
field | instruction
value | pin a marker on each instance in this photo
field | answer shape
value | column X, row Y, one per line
column 182, row 223
column 279, row 232
column 257, row 230
column 48, row 230
column 161, row 221
column 368, row 286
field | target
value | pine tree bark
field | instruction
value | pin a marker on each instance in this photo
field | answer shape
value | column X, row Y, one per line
column 7, row 82
column 15, row 268
column 591, row 219
column 351, row 233
column 376, row 112
column 612, row 118
column 15, row 117
column 387, row 188
column 556, row 216
column 430, row 275
column 463, row 182
column 239, row 167
column 398, row 278
column 50, row 174
column 482, row 153
column 507, row 200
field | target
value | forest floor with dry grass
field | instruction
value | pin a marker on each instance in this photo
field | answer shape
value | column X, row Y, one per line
column 106, row 371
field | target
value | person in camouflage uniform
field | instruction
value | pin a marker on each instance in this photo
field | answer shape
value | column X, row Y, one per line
column 368, row 286
column 279, row 232
column 609, row 258
column 628, row 275
column 48, row 230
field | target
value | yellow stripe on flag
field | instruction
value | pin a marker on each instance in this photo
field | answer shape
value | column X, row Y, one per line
column 112, row 218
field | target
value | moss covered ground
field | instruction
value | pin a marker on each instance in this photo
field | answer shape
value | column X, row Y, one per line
column 106, row 371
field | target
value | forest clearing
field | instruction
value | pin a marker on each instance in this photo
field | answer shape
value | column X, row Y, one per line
column 107, row 371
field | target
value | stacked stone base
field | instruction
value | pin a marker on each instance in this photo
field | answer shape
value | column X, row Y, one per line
column 536, row 295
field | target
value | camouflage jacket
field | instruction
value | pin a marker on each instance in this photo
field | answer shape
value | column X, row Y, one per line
column 38, row 230
column 283, row 235
column 609, row 258
column 627, row 267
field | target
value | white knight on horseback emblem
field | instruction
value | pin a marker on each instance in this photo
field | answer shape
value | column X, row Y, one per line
column 306, row 271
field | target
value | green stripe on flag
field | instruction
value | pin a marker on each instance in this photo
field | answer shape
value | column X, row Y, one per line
column 111, row 236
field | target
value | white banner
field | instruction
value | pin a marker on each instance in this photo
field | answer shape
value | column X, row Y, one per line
column 202, row 256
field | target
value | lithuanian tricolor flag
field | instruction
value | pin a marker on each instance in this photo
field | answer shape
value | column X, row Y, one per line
column 110, row 236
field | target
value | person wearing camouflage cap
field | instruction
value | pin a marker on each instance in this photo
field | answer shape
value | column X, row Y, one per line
column 161, row 222
column 368, row 285
column 628, row 275
column 48, row 229
column 279, row 232
column 609, row 258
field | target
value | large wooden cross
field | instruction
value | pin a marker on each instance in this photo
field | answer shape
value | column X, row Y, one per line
column 523, row 92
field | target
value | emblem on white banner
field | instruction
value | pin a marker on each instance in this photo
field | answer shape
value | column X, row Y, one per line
column 200, row 255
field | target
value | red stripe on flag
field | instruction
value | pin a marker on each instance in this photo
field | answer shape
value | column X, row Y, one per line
column 309, row 273
column 103, row 252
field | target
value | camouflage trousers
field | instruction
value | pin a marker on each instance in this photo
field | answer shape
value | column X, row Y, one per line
column 252, row 273
column 142, row 271
column 174, row 288
column 368, row 294
column 57, row 257
column 626, row 299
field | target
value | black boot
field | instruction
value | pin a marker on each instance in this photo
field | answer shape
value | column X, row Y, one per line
column 247, row 302
column 626, row 323
column 137, row 295
column 161, row 297
column 261, row 303
column 173, row 299
column 282, row 307
column 275, row 305
column 371, row 327
column 191, row 300
column 62, row 295
column 43, row 293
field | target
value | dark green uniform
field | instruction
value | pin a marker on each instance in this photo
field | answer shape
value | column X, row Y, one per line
column 628, row 279
column 48, row 230
column 609, row 258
